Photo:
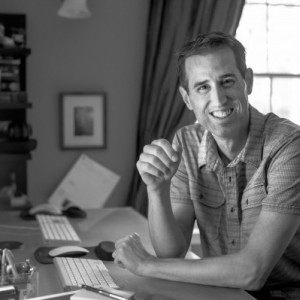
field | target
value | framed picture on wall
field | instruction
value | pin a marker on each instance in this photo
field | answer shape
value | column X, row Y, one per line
column 83, row 118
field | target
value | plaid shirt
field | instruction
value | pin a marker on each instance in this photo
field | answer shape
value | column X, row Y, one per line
column 227, row 200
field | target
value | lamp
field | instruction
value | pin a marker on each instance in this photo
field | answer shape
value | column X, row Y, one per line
column 74, row 9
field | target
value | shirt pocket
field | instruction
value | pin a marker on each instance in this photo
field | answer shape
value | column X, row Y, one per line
column 208, row 210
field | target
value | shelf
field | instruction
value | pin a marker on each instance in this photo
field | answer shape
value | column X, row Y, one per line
column 6, row 157
column 14, row 154
column 13, row 51
column 15, row 105
column 17, row 147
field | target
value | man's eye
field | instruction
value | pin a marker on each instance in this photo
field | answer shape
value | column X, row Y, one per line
column 228, row 82
column 202, row 89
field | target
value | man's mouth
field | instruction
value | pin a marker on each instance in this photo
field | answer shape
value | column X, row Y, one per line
column 222, row 114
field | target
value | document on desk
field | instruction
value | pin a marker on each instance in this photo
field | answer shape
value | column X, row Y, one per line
column 87, row 295
column 84, row 294
column 88, row 184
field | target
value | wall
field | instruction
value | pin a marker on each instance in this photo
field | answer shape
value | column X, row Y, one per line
column 103, row 53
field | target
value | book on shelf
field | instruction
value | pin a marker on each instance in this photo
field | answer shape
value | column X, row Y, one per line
column 13, row 97
column 10, row 61
column 9, row 146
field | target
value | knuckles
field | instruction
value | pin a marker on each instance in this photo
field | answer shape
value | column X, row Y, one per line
column 162, row 143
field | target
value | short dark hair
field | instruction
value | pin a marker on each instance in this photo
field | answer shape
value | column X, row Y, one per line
column 206, row 42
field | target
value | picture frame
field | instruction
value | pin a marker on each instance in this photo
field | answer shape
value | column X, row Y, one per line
column 83, row 120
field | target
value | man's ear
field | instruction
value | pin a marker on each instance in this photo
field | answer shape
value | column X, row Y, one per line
column 185, row 97
column 249, row 80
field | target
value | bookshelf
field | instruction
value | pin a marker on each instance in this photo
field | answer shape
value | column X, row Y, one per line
column 16, row 142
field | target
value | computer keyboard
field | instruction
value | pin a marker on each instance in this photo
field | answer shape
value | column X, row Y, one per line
column 74, row 272
column 57, row 230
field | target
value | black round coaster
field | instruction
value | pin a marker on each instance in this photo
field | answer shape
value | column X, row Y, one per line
column 12, row 245
column 104, row 250
column 25, row 215
column 42, row 255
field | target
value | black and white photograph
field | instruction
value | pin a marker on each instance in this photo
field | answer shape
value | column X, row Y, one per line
column 154, row 144
column 83, row 120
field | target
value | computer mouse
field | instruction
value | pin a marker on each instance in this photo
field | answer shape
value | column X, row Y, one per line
column 68, row 251
column 104, row 250
column 45, row 209
column 74, row 212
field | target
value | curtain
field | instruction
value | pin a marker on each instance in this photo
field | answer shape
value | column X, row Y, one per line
column 162, row 111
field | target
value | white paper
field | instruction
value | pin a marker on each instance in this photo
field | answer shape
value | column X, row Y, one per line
column 88, row 184
column 83, row 294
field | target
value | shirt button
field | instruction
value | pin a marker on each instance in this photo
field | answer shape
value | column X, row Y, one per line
column 232, row 209
column 233, row 242
column 247, row 201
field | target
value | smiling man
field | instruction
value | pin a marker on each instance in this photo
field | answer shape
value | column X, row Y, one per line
column 235, row 172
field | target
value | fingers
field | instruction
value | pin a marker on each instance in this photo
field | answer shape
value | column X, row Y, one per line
column 134, row 236
column 178, row 149
column 159, row 160
column 120, row 264
column 163, row 149
column 117, row 260
column 152, row 166
column 121, row 246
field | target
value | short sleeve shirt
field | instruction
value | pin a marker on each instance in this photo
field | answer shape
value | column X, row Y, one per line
column 227, row 200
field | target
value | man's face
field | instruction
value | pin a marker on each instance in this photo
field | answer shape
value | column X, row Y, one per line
column 218, row 94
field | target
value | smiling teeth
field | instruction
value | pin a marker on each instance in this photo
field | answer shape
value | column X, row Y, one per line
column 221, row 114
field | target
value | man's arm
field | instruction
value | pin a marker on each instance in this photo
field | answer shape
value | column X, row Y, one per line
column 247, row 269
column 170, row 236
column 170, row 227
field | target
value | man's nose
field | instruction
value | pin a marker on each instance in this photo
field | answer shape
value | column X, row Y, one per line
column 218, row 96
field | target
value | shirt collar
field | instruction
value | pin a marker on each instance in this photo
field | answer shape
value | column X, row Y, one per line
column 253, row 149
column 251, row 153
column 208, row 152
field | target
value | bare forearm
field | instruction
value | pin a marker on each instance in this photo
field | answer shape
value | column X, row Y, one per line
column 226, row 271
column 248, row 269
column 165, row 233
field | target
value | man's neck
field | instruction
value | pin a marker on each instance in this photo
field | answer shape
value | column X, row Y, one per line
column 229, row 149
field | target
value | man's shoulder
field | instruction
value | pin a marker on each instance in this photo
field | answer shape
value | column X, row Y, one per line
column 280, row 132
column 276, row 126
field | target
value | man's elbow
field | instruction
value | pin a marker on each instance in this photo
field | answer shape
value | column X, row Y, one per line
column 255, row 278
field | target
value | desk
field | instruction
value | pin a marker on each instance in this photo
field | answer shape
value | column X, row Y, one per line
column 107, row 224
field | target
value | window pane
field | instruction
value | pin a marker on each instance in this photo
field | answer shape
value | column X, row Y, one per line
column 284, row 41
column 285, row 98
column 270, row 31
column 260, row 97
column 252, row 33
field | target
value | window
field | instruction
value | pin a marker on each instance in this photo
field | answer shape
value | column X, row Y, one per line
column 270, row 31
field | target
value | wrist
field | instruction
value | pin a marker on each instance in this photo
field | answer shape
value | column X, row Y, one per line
column 161, row 190
column 147, row 267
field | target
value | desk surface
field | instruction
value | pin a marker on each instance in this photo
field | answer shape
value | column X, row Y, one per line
column 107, row 224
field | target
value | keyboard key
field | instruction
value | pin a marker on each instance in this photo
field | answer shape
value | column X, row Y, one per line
column 57, row 230
column 74, row 272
